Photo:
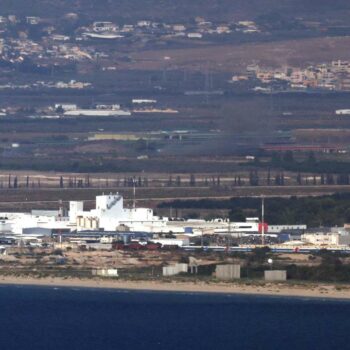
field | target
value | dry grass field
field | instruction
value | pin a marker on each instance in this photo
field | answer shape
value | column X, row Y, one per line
column 28, row 199
column 235, row 58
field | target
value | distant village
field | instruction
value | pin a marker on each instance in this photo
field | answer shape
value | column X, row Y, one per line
column 45, row 44
column 333, row 75
column 44, row 41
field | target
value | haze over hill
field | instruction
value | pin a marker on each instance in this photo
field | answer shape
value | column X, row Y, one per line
column 180, row 9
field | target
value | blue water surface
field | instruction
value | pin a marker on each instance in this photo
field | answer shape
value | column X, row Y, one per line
column 78, row 318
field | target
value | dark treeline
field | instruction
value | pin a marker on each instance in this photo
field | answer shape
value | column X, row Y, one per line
column 85, row 181
column 13, row 181
column 332, row 210
column 311, row 164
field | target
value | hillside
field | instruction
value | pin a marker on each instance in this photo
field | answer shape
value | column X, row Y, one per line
column 180, row 9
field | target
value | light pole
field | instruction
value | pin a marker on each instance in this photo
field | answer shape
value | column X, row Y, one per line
column 270, row 262
column 134, row 193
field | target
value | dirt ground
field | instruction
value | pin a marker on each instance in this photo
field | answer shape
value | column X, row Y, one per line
column 235, row 58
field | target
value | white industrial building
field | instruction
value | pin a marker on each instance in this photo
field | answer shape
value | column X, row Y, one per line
column 142, row 101
column 327, row 239
column 104, row 27
column 97, row 113
column 110, row 214
column 216, row 226
column 18, row 223
column 66, row 106
column 342, row 112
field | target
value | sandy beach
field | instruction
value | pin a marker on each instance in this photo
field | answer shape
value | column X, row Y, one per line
column 268, row 289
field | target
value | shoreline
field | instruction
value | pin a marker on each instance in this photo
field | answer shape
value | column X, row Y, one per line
column 269, row 289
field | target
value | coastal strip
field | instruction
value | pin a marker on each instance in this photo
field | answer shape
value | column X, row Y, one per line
column 267, row 289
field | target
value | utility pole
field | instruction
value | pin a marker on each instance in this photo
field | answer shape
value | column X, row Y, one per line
column 134, row 201
column 262, row 220
column 229, row 236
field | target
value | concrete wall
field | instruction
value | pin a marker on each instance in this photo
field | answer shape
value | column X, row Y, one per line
column 228, row 272
column 182, row 267
column 105, row 272
column 275, row 275
column 169, row 271
column 175, row 269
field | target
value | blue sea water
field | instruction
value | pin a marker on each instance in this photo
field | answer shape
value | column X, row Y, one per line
column 77, row 318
